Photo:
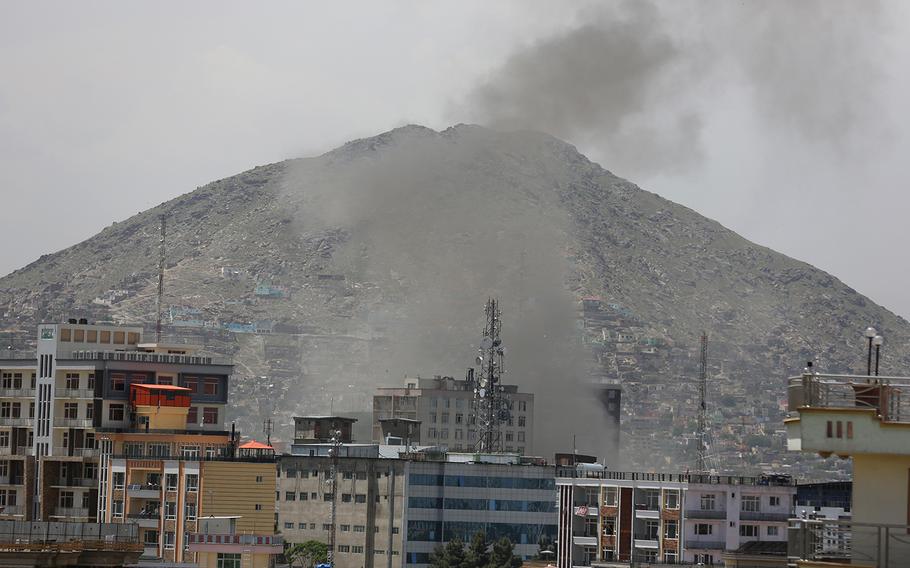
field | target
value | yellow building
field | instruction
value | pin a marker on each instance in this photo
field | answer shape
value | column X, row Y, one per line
column 866, row 418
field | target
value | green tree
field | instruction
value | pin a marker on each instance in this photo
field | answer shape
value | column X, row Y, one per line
column 452, row 555
column 503, row 555
column 478, row 551
column 307, row 554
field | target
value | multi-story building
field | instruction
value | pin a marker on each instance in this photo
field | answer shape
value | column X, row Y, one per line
column 866, row 418
column 159, row 474
column 52, row 407
column 609, row 516
column 443, row 407
column 396, row 504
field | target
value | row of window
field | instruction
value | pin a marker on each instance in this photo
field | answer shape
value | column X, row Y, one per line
column 482, row 481
column 98, row 336
column 152, row 510
column 744, row 530
column 197, row 385
column 117, row 413
column 436, row 403
column 518, row 533
column 154, row 479
column 443, row 418
column 343, row 528
column 443, row 433
column 302, row 496
column 750, row 503
column 483, row 504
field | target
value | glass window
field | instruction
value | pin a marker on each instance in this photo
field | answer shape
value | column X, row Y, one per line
column 115, row 412
column 210, row 386
column 704, row 528
column 209, row 415
column 228, row 560
column 748, row 530
column 707, row 502
column 751, row 503
column 671, row 499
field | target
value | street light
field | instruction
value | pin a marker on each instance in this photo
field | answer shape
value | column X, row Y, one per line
column 870, row 333
column 877, row 341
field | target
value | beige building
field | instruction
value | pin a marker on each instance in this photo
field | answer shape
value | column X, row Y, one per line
column 53, row 406
column 866, row 418
column 443, row 406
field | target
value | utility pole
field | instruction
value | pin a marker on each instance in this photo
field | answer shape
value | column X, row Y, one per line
column 701, row 465
column 161, row 264
column 267, row 430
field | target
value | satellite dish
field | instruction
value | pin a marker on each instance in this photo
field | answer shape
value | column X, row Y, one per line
column 479, row 360
column 483, row 381
column 483, row 393
column 501, row 350
column 497, row 343
column 486, row 343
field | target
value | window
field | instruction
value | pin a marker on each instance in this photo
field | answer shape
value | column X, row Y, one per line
column 707, row 502
column 192, row 482
column 91, row 336
column 652, row 529
column 169, row 540
column 120, row 338
column 345, row 528
column 290, row 495
column 91, row 381
column 303, row 496
column 210, row 386
column 5, row 409
column 671, row 529
column 162, row 380
column 4, row 439
column 117, row 508
column 115, row 412
column 431, row 433
column 509, row 435
column 66, row 499
column 751, row 503
column 344, row 548
column 210, row 415
column 360, row 498
column 192, row 416
column 288, row 525
column 313, row 496
column 748, row 530
column 521, row 436
column 521, row 422
column 774, row 501
column 105, row 337
column 704, row 559
column 17, row 410
column 119, row 477
column 345, row 497
column 118, row 383
column 159, row 450
column 703, row 528
column 189, row 452
column 522, row 406
column 190, row 511
column 360, row 528
column 171, row 481
column 72, row 381
column 133, row 449
column 170, row 510
column 228, row 560
column 89, row 410
column 191, row 383
column 445, row 417
column 459, row 417
column 301, row 526
column 257, row 506
column 327, row 496
column 610, row 496
column 357, row 549
column 326, row 526
column 609, row 526
column 772, row 531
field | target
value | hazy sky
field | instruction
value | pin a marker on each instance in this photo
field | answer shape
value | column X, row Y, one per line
column 785, row 121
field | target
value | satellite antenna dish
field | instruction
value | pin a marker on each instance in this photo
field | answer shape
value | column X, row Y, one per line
column 486, row 343
column 483, row 393
column 479, row 360
column 483, row 381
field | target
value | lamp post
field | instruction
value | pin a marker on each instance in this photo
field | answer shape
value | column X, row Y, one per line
column 870, row 333
column 877, row 341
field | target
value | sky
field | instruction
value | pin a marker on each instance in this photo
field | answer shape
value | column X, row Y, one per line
column 784, row 121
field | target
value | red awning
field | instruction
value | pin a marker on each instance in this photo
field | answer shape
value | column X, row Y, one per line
column 160, row 387
column 254, row 445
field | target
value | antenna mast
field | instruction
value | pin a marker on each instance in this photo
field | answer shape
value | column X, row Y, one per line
column 490, row 409
column 701, row 465
column 158, row 304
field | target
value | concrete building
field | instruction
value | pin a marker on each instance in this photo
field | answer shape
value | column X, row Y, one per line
column 866, row 418
column 443, row 406
column 395, row 507
column 609, row 516
column 52, row 407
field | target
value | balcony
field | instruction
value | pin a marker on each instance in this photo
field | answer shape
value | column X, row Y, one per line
column 72, row 422
column 145, row 520
column 16, row 422
column 698, row 544
column 84, row 482
column 143, row 491
column 584, row 540
column 758, row 516
column 17, row 393
column 60, row 451
column 71, row 512
column 74, row 393
column 12, row 480
column 12, row 511
column 845, row 543
column 646, row 511
column 701, row 514
column 646, row 541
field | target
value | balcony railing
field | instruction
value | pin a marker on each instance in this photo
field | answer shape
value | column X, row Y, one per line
column 12, row 480
column 17, row 393
column 882, row 394
column 580, row 473
column 76, row 512
column 143, row 357
column 73, row 422
column 847, row 542
column 758, row 516
column 701, row 514
column 74, row 393
column 20, row 421
column 77, row 482
column 12, row 510
column 77, row 452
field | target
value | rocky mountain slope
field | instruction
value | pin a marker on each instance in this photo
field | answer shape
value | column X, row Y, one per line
column 374, row 260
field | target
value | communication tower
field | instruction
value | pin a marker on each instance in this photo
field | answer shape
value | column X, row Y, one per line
column 701, row 457
column 161, row 265
column 490, row 409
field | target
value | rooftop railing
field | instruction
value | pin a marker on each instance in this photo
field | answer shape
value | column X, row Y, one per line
column 882, row 394
column 578, row 473
column 848, row 542
column 143, row 357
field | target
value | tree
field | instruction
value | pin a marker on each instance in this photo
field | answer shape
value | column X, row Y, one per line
column 545, row 544
column 452, row 555
column 503, row 555
column 478, row 555
column 307, row 554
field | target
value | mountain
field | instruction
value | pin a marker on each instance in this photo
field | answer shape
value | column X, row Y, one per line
column 374, row 261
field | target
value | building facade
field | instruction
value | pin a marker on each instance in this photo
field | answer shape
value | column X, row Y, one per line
column 53, row 406
column 443, row 407
column 608, row 516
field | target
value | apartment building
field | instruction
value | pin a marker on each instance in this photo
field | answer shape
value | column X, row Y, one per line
column 608, row 516
column 443, row 407
column 865, row 418
column 165, row 478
